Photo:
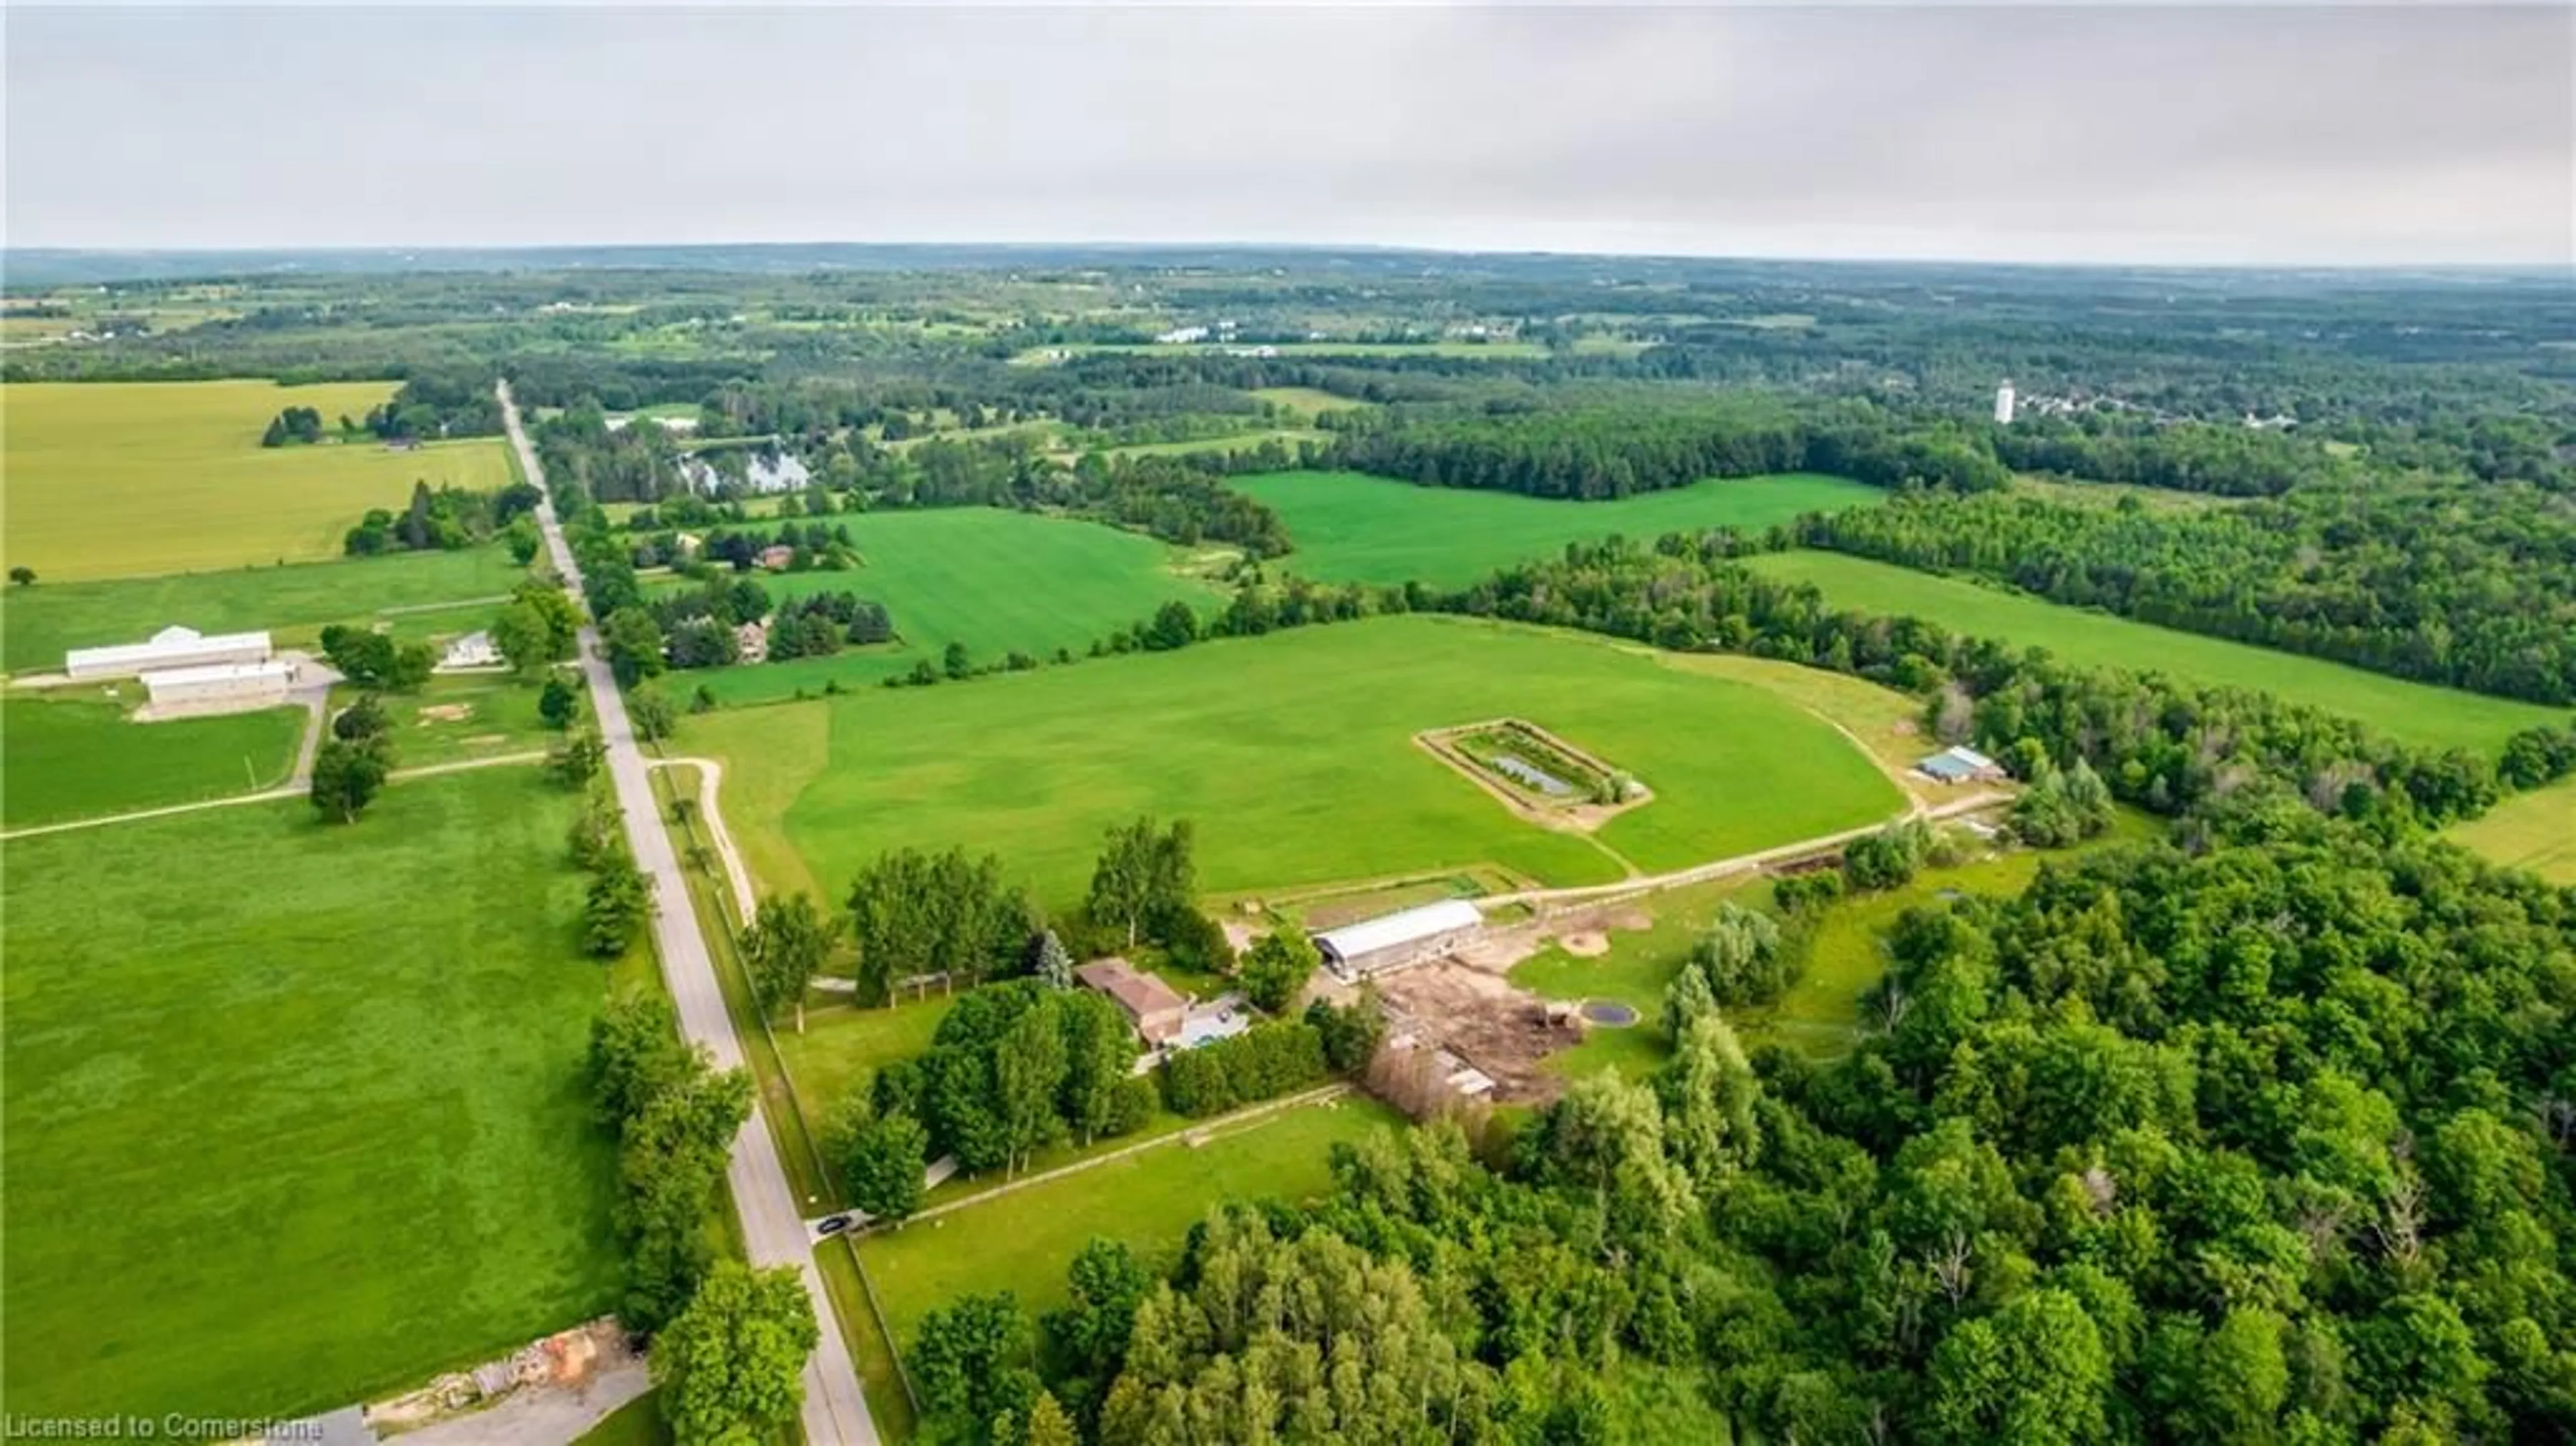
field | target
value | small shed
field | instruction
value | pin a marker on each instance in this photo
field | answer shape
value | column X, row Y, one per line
column 1960, row 764
column 474, row 650
column 1392, row 941
column 1155, row 1008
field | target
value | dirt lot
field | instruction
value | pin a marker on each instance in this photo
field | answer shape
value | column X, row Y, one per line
column 1501, row 1029
column 1466, row 1003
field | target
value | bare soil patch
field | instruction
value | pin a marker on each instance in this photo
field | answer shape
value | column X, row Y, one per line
column 1484, row 1019
column 1585, row 944
column 445, row 713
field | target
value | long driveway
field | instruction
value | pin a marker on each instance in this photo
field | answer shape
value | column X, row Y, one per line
column 773, row 1227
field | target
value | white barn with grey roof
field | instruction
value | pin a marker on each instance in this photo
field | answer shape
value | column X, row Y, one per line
column 1392, row 941
column 172, row 647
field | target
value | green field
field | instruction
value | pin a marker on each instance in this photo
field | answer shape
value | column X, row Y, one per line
column 128, row 479
column 1350, row 527
column 991, row 579
column 1293, row 754
column 39, row 624
column 2535, row 831
column 2414, row 712
column 295, row 1113
column 1308, row 401
column 1022, row 1241
column 78, row 756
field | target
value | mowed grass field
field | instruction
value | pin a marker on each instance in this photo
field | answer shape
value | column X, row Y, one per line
column 2415, row 712
column 39, row 624
column 295, row 1113
column 1294, row 756
column 68, row 758
column 992, row 579
column 1022, row 1241
column 1351, row 527
column 2535, row 831
column 129, row 479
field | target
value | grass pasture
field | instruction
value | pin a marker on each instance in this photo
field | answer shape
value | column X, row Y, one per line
column 39, row 624
column 1294, row 755
column 77, row 755
column 1308, row 401
column 294, row 1112
column 1351, row 527
column 989, row 578
column 131, row 479
column 1022, row 1241
column 2535, row 831
column 2415, row 712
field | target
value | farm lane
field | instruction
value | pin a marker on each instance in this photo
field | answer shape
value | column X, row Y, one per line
column 278, row 794
column 774, row 1231
column 1719, row 868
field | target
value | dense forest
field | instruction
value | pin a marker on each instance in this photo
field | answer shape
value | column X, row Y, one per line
column 2262, row 1141
column 2469, row 583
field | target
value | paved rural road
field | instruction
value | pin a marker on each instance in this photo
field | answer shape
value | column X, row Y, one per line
column 773, row 1228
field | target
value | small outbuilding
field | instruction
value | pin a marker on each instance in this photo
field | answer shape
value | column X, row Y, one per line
column 1155, row 1008
column 474, row 650
column 1960, row 764
column 172, row 647
column 1392, row 941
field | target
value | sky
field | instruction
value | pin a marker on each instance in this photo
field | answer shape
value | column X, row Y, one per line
column 2228, row 135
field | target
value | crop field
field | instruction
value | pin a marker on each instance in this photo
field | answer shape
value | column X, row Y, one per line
column 2415, row 712
column 129, row 479
column 2535, row 831
column 1351, row 527
column 39, row 624
column 991, row 579
column 1294, row 755
column 274, row 1144
column 1021, row 1242
column 79, row 756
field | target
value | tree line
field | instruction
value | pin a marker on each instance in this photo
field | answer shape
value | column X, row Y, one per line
column 2469, row 584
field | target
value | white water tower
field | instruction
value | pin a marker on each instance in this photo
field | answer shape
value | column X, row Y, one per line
column 2004, row 404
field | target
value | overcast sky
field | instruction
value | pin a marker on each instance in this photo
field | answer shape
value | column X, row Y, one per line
column 2274, row 135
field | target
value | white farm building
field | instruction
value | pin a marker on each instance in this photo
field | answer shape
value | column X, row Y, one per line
column 172, row 647
column 1392, row 941
column 219, row 687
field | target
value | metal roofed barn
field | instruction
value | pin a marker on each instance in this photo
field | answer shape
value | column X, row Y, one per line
column 172, row 647
column 1391, row 941
column 1959, row 765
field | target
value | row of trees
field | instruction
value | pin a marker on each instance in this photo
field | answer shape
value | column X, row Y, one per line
column 729, row 1342
column 1619, row 449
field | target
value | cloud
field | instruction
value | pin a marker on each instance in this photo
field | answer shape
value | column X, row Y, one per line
column 2212, row 135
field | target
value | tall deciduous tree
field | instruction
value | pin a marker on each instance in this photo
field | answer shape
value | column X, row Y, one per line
column 633, row 642
column 784, row 948
column 730, row 1368
column 1275, row 969
column 346, row 777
